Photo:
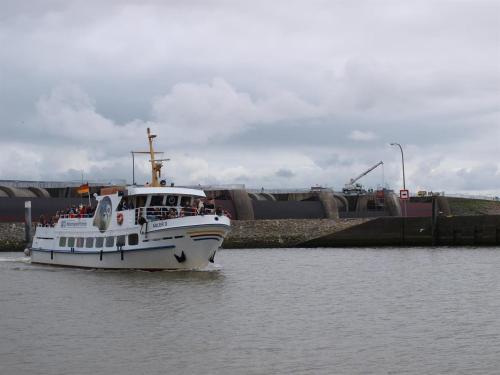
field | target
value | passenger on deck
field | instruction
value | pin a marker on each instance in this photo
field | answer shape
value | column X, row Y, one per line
column 164, row 215
column 172, row 213
column 210, row 206
column 193, row 209
column 201, row 207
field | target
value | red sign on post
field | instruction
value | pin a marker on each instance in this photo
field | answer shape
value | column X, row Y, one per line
column 404, row 195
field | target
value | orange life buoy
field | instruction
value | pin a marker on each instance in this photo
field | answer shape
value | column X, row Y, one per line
column 119, row 218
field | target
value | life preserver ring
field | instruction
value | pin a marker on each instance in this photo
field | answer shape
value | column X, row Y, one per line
column 119, row 218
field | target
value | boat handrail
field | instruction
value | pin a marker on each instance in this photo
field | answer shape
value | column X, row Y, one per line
column 46, row 225
column 154, row 213
column 76, row 216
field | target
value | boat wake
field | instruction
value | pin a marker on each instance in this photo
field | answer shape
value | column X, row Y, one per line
column 209, row 268
column 20, row 259
column 213, row 267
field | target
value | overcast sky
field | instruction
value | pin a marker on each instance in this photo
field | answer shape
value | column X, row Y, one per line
column 274, row 94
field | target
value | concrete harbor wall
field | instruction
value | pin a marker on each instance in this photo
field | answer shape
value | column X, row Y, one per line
column 478, row 230
column 12, row 209
column 481, row 230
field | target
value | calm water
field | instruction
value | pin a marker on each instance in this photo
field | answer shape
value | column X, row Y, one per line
column 290, row 311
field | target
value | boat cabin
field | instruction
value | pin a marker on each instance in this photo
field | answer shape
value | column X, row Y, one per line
column 160, row 203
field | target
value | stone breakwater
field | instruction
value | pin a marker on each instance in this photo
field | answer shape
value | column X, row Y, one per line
column 481, row 230
column 283, row 233
column 244, row 233
column 12, row 237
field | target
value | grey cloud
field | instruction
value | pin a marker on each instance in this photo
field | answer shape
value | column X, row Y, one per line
column 285, row 173
column 483, row 177
column 232, row 83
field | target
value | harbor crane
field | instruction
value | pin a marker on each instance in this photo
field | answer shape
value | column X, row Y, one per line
column 352, row 187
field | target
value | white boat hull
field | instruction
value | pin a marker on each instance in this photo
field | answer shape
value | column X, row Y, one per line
column 176, row 248
column 147, row 259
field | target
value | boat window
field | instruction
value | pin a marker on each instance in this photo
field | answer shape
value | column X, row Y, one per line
column 99, row 242
column 71, row 241
column 129, row 202
column 110, row 241
column 120, row 240
column 157, row 200
column 62, row 241
column 133, row 239
column 172, row 200
column 79, row 242
column 89, row 242
column 185, row 201
column 123, row 205
column 141, row 201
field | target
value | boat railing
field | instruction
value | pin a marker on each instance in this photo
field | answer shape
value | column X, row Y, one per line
column 76, row 216
column 52, row 220
column 154, row 213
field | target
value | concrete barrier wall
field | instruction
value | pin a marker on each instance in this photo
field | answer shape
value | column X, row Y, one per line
column 387, row 231
column 12, row 209
column 417, row 209
column 416, row 231
column 288, row 210
column 468, row 230
column 242, row 205
column 329, row 204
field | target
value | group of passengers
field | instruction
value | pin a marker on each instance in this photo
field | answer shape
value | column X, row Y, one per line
column 77, row 211
column 198, row 207
column 74, row 211
column 201, row 206
column 50, row 222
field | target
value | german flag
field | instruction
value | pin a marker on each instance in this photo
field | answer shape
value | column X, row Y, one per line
column 83, row 189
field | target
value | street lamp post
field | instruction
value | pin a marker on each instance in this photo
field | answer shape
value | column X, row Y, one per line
column 402, row 162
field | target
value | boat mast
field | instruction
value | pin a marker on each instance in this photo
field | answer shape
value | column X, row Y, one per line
column 155, row 167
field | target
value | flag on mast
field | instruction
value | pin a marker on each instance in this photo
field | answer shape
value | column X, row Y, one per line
column 83, row 189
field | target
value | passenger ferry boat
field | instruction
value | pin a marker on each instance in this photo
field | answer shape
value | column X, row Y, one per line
column 152, row 228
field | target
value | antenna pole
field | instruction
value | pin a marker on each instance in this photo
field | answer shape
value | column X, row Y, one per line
column 154, row 178
column 133, row 167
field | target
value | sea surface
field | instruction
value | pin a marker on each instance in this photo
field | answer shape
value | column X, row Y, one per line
column 275, row 311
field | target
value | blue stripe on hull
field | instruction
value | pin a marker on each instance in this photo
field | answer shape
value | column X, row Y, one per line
column 105, row 251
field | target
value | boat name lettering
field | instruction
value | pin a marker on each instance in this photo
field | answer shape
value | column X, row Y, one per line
column 73, row 224
column 159, row 225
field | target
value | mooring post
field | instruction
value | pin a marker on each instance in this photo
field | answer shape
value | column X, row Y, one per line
column 434, row 221
column 403, row 230
column 27, row 222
